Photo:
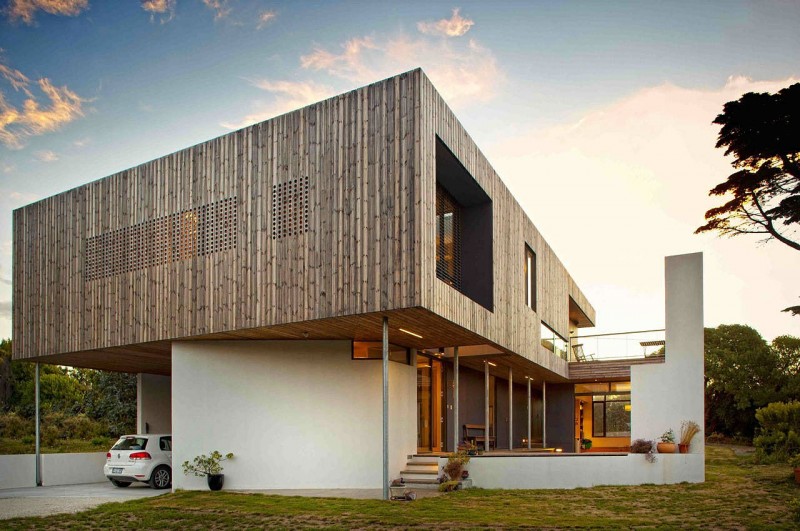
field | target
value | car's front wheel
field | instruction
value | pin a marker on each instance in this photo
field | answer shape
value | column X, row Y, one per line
column 120, row 484
column 161, row 478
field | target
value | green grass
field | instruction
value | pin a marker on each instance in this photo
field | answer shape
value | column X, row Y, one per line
column 737, row 494
column 27, row 446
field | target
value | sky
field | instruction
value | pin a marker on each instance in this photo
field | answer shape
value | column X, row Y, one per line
column 596, row 115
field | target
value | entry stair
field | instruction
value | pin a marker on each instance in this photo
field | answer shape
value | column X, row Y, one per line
column 421, row 472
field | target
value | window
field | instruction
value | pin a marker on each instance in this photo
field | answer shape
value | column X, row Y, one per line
column 611, row 408
column 553, row 342
column 530, row 278
column 373, row 350
column 131, row 443
column 448, row 238
column 611, row 415
column 290, row 208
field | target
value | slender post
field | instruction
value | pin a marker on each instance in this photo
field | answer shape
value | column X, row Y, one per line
column 38, row 435
column 385, row 408
column 456, row 433
column 544, row 414
column 486, row 445
column 529, row 413
column 510, row 409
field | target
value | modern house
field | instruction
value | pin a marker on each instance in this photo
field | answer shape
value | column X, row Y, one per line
column 341, row 286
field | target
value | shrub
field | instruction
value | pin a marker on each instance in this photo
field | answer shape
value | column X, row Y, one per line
column 13, row 426
column 641, row 446
column 778, row 436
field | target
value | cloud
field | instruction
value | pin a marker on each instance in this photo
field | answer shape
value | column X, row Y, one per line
column 464, row 72
column 626, row 184
column 265, row 18
column 46, row 156
column 159, row 7
column 82, row 142
column 455, row 26
column 32, row 118
column 25, row 10
column 288, row 96
column 220, row 8
column 5, row 167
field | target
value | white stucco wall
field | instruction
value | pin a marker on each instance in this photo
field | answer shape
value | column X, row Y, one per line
column 296, row 414
column 573, row 471
column 57, row 469
column 665, row 395
column 153, row 403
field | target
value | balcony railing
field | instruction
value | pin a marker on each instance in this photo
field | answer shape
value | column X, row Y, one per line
column 617, row 346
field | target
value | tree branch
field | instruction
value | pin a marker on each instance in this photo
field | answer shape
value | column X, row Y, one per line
column 771, row 228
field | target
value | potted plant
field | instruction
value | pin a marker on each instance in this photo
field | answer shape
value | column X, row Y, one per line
column 586, row 444
column 667, row 444
column 643, row 446
column 208, row 466
column 689, row 429
column 455, row 465
column 795, row 462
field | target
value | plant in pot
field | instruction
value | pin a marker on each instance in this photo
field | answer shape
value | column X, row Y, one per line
column 643, row 446
column 586, row 444
column 208, row 466
column 667, row 444
column 689, row 429
column 795, row 462
column 454, row 469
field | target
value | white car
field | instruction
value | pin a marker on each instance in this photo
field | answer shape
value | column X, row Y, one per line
column 146, row 458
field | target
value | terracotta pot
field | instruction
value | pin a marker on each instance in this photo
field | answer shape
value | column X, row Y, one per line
column 683, row 448
column 666, row 448
column 797, row 475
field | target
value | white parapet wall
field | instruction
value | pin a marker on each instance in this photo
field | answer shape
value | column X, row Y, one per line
column 664, row 395
column 574, row 471
column 296, row 414
column 18, row 471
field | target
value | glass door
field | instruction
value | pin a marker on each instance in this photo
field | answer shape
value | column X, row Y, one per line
column 430, row 404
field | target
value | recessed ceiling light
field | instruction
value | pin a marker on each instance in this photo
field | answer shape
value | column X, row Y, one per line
column 492, row 364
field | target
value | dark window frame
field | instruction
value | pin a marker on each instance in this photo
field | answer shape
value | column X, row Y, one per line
column 605, row 403
column 530, row 275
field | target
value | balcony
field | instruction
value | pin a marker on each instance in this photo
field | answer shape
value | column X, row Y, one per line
column 606, row 357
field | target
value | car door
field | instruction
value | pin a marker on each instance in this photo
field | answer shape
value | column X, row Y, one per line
column 166, row 446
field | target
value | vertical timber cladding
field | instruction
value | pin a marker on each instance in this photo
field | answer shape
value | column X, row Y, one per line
column 511, row 324
column 360, row 253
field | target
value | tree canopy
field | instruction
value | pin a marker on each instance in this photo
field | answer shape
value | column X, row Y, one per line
column 760, row 131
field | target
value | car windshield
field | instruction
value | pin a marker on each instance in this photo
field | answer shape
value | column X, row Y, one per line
column 131, row 443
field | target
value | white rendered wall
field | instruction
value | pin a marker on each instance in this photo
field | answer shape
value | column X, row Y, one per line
column 153, row 403
column 57, row 469
column 573, row 471
column 665, row 395
column 296, row 414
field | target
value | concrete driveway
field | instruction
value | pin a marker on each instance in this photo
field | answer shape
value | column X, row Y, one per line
column 44, row 501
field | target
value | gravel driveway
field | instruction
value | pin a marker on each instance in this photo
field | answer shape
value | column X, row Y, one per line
column 44, row 501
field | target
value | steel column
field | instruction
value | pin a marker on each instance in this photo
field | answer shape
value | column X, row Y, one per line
column 38, row 432
column 544, row 414
column 510, row 409
column 385, row 408
column 529, row 413
column 456, row 433
column 486, row 445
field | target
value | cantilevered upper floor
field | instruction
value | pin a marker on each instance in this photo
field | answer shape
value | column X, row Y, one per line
column 312, row 224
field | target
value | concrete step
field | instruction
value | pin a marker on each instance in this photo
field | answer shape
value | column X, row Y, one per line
column 411, row 465
column 422, row 484
column 414, row 476
column 427, row 459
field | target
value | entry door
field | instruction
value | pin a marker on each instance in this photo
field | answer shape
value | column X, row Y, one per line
column 430, row 404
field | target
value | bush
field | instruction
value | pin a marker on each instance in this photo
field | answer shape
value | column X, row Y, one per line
column 12, row 426
column 778, row 436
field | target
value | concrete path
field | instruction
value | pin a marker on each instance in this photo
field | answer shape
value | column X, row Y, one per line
column 44, row 501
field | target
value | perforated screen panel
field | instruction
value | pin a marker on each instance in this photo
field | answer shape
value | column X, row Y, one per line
column 290, row 208
column 195, row 232
column 448, row 238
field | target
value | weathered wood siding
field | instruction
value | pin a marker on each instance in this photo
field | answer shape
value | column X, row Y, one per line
column 512, row 324
column 361, row 252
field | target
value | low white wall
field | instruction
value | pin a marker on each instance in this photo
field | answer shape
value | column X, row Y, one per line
column 57, row 469
column 573, row 471
column 296, row 414
column 153, row 403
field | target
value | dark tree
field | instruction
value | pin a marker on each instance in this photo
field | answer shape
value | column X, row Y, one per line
column 762, row 132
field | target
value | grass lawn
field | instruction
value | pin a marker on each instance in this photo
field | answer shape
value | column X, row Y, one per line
column 737, row 494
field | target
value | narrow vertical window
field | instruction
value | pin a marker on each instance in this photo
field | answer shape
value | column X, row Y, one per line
column 530, row 278
column 448, row 238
